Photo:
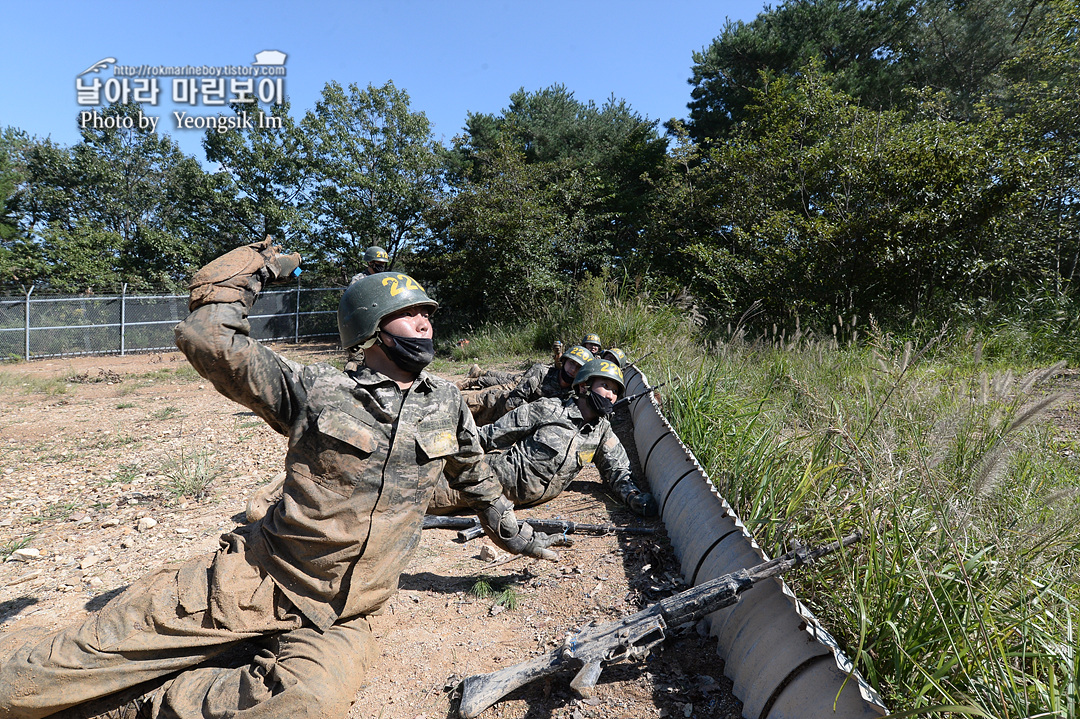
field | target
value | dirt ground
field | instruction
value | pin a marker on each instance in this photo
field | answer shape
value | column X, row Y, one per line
column 94, row 456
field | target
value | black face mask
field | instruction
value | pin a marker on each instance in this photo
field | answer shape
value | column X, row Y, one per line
column 603, row 406
column 411, row 354
column 567, row 378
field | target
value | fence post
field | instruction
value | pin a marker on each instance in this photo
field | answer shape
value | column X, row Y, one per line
column 123, row 316
column 296, row 325
column 26, row 333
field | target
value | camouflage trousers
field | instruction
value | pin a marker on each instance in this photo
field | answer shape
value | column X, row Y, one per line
column 489, row 404
column 169, row 627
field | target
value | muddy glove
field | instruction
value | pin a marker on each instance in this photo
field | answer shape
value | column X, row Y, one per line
column 644, row 504
column 502, row 526
column 240, row 274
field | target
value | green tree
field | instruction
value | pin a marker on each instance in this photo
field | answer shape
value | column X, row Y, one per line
column 610, row 143
column 122, row 206
column 825, row 207
column 873, row 51
column 511, row 244
column 857, row 43
column 268, row 172
column 375, row 170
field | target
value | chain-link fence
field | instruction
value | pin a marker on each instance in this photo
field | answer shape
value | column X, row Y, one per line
column 35, row 327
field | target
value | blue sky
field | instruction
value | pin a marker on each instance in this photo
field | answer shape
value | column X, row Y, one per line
column 451, row 57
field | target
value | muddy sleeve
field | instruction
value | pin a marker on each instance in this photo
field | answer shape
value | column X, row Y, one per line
column 512, row 428
column 216, row 340
column 466, row 471
column 614, row 466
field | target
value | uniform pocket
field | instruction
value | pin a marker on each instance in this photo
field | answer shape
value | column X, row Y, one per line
column 348, row 429
column 437, row 438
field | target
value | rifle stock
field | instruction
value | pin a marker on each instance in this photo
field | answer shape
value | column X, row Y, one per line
column 633, row 636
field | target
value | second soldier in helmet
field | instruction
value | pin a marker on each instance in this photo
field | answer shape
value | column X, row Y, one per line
column 537, row 449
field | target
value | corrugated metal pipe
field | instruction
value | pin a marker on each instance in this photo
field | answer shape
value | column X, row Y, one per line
column 782, row 662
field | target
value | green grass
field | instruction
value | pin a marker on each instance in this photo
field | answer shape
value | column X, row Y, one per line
column 164, row 413
column 28, row 384
column 965, row 592
column 124, row 474
column 181, row 372
column 190, row 473
column 502, row 592
column 125, row 405
column 7, row 548
column 53, row 512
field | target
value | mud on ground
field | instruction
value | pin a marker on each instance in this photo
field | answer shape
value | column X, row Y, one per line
column 101, row 468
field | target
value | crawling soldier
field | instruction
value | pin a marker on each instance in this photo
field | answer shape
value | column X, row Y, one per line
column 538, row 449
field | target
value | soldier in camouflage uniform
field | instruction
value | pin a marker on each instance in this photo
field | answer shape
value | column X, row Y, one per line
column 540, row 381
column 591, row 342
column 377, row 260
column 365, row 452
column 538, row 449
column 614, row 354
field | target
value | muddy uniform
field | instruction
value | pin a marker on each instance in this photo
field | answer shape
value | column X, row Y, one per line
column 539, row 448
column 493, row 378
column 363, row 460
column 539, row 381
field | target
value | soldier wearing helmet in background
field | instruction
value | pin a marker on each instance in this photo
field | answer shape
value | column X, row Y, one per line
column 540, row 381
column 591, row 342
column 365, row 452
column 614, row 354
column 376, row 260
column 538, row 449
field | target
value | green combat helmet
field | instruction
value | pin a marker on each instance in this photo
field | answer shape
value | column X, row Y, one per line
column 365, row 304
column 600, row 368
column 578, row 354
column 377, row 256
column 589, row 340
column 614, row 354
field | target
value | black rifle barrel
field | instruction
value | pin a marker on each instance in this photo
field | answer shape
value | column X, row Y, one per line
column 630, row 398
column 632, row 636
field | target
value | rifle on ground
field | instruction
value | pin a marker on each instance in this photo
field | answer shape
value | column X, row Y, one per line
column 633, row 636
column 631, row 397
column 471, row 529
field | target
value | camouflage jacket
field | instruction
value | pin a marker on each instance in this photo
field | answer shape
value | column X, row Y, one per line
column 537, row 450
column 363, row 460
column 539, row 381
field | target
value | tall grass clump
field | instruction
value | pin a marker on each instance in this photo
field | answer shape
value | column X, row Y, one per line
column 965, row 592
column 623, row 314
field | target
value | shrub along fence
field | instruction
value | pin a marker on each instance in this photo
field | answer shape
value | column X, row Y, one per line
column 36, row 327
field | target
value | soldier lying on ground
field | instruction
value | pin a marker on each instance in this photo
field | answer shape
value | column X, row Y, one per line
column 540, row 381
column 365, row 452
column 538, row 449
column 614, row 354
column 591, row 342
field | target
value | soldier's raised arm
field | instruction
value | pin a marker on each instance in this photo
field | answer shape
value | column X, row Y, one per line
column 215, row 337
